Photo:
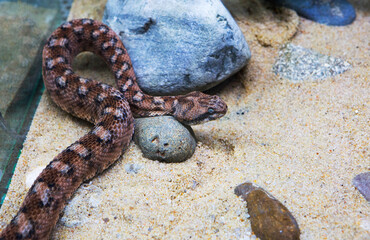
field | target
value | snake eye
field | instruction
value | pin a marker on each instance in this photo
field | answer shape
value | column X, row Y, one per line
column 211, row 110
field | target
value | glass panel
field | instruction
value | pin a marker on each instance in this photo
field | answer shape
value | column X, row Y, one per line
column 24, row 28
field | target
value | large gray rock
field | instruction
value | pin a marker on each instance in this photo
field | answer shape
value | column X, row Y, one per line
column 178, row 46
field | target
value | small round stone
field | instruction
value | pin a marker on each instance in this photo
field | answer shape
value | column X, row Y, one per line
column 164, row 139
column 133, row 168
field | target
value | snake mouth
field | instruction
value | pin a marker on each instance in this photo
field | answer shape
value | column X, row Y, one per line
column 204, row 118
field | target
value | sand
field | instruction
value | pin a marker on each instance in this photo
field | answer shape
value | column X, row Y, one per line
column 303, row 142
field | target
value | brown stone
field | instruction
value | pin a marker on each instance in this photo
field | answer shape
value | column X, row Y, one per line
column 270, row 219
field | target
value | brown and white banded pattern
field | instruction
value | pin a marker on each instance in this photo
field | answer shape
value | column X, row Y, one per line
column 110, row 110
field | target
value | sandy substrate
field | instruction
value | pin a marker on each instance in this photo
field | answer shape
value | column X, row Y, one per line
column 303, row 142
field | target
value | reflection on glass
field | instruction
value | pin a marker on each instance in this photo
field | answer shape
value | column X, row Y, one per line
column 24, row 27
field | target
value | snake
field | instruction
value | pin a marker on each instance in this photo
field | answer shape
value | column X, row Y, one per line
column 111, row 110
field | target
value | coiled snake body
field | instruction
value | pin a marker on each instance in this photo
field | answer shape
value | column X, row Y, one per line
column 110, row 110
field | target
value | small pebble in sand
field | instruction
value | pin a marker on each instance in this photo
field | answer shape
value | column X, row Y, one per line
column 132, row 168
column 270, row 219
column 362, row 183
column 31, row 176
column 164, row 139
column 297, row 63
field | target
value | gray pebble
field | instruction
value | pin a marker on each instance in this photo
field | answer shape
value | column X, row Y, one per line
column 178, row 46
column 132, row 168
column 164, row 139
column 362, row 183
column 297, row 63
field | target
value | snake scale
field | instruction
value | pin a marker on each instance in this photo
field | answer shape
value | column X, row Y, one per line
column 111, row 111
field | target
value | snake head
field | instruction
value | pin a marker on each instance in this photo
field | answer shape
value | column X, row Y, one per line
column 197, row 107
